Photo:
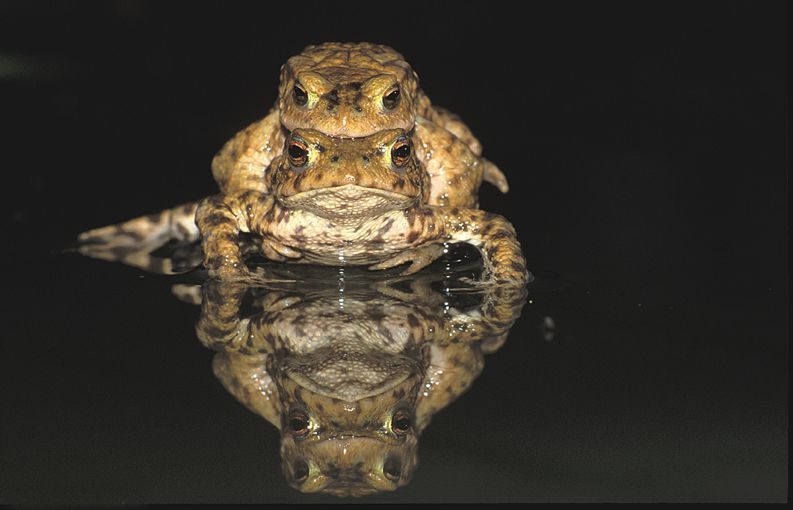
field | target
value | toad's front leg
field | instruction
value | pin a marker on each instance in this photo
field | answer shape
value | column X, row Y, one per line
column 220, row 220
column 490, row 233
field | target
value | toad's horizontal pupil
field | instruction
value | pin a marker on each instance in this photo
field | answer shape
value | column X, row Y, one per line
column 402, row 423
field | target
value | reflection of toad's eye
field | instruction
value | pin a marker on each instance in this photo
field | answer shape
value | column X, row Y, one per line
column 300, row 470
column 400, row 152
column 391, row 99
column 392, row 468
column 298, row 423
column 298, row 153
column 301, row 96
column 400, row 423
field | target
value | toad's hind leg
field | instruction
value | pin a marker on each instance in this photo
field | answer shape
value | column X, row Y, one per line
column 176, row 223
column 419, row 258
column 133, row 241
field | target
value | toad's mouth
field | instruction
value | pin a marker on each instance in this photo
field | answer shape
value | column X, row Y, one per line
column 347, row 201
column 348, row 375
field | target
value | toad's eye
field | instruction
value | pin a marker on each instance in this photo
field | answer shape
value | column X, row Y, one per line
column 298, row 153
column 298, row 423
column 391, row 99
column 400, row 152
column 301, row 96
column 400, row 423
column 300, row 470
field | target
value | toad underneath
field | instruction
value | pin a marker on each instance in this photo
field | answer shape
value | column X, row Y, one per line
column 361, row 201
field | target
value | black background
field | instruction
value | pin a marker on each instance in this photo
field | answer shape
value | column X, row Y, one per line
column 645, row 144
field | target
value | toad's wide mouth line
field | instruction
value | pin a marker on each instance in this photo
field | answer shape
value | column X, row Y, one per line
column 352, row 394
column 348, row 191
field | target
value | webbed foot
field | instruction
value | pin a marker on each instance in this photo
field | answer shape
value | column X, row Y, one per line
column 419, row 258
column 274, row 250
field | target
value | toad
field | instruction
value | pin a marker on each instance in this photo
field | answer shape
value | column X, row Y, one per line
column 346, row 90
column 357, row 201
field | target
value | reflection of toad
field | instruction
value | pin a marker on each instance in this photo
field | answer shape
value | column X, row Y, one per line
column 351, row 377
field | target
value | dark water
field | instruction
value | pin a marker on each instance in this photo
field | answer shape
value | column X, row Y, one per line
column 646, row 149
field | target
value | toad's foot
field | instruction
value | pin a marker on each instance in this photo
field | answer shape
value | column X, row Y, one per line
column 494, row 176
column 274, row 250
column 419, row 258
column 220, row 220
column 495, row 239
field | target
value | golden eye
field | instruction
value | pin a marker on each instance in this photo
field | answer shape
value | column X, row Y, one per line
column 400, row 152
column 298, row 423
column 400, row 423
column 391, row 99
column 300, row 94
column 298, row 153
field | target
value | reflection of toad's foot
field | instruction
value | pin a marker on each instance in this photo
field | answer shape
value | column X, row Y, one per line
column 140, row 256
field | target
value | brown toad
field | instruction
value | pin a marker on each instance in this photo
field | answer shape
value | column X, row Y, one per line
column 359, row 201
column 351, row 377
column 347, row 90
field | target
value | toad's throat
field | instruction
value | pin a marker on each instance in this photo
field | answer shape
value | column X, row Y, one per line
column 348, row 201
